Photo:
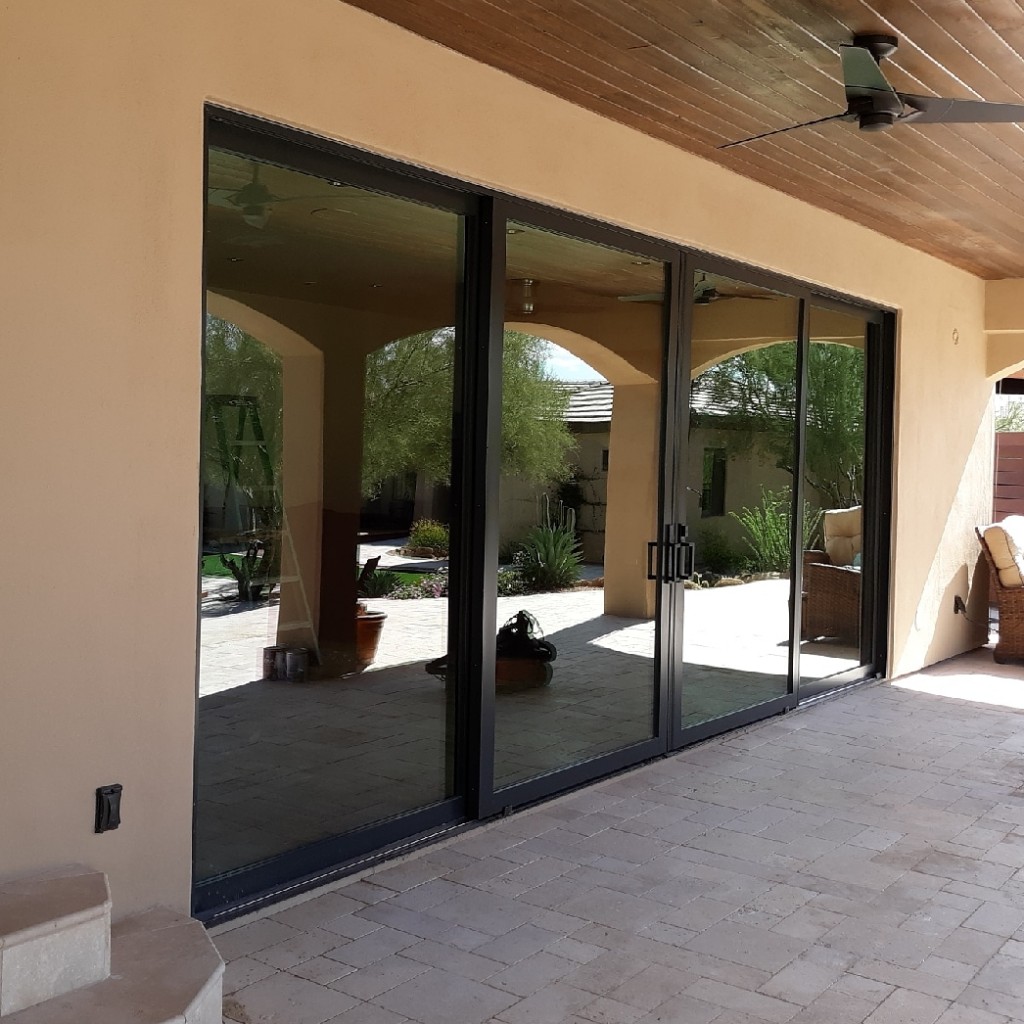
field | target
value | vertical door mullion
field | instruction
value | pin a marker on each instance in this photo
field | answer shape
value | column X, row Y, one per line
column 481, row 367
column 796, row 561
column 669, row 636
column 681, row 347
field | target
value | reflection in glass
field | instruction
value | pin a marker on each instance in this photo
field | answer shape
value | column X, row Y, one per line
column 834, row 486
column 581, row 414
column 736, row 623
column 329, row 354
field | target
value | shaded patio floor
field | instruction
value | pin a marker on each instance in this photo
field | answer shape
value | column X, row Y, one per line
column 861, row 859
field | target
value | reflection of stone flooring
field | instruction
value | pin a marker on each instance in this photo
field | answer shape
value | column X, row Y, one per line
column 857, row 861
column 280, row 765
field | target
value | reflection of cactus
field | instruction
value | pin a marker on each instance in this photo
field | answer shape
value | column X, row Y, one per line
column 253, row 570
column 769, row 526
column 550, row 555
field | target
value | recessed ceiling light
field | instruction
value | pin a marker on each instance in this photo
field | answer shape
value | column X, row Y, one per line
column 641, row 263
column 513, row 231
column 236, row 259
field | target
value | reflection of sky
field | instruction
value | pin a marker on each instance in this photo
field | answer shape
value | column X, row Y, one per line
column 563, row 365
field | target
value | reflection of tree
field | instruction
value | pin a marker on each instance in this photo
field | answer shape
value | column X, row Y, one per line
column 408, row 411
column 238, row 364
column 755, row 396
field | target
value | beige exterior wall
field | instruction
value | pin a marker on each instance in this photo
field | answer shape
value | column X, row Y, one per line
column 101, row 293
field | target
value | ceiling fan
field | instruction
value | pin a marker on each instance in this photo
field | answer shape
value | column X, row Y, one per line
column 704, row 292
column 875, row 105
column 255, row 200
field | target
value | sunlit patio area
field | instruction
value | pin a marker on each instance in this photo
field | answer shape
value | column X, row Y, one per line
column 861, row 859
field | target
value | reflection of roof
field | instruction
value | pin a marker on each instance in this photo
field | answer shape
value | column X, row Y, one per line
column 589, row 401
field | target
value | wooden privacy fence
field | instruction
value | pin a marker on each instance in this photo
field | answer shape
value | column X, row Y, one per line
column 1008, row 492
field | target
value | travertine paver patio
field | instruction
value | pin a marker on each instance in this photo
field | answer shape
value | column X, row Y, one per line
column 858, row 860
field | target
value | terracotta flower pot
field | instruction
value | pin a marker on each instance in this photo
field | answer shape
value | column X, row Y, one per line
column 368, row 627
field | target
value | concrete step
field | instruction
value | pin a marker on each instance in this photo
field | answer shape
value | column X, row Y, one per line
column 54, row 935
column 164, row 970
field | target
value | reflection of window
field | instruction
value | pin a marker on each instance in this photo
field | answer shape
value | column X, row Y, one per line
column 712, row 497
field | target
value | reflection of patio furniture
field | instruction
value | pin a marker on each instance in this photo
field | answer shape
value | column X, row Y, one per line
column 831, row 597
column 1003, row 544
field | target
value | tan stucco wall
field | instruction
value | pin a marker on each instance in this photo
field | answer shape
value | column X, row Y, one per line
column 100, row 292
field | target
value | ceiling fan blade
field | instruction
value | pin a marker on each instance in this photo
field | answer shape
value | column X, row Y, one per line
column 862, row 76
column 935, row 110
column 778, row 131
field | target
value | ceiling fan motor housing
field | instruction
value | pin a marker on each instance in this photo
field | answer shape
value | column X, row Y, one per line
column 878, row 46
column 876, row 120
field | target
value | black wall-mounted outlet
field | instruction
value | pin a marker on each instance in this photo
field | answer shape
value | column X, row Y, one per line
column 108, row 807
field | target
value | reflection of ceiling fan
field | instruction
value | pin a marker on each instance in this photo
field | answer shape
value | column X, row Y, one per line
column 704, row 292
column 875, row 105
column 255, row 200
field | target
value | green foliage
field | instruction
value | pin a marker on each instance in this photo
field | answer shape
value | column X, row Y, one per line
column 551, row 556
column 717, row 554
column 408, row 411
column 510, row 583
column 381, row 583
column 758, row 391
column 253, row 571
column 1010, row 417
column 236, row 363
column 434, row 584
column 429, row 534
column 769, row 527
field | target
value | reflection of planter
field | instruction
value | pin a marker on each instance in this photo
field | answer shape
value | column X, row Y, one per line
column 514, row 672
column 368, row 627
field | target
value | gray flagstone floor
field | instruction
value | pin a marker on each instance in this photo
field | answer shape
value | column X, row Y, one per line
column 859, row 860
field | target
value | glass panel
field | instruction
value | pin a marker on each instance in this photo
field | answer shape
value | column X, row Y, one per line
column 736, row 623
column 834, row 488
column 581, row 415
column 329, row 354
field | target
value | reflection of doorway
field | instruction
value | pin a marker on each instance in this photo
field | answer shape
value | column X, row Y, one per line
column 782, row 495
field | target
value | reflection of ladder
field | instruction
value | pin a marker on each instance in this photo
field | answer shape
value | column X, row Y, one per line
column 231, row 456
column 231, row 451
column 307, row 622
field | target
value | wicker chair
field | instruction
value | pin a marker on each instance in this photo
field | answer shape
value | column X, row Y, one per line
column 1003, row 544
column 831, row 588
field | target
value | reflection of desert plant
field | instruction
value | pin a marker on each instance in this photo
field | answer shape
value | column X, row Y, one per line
column 551, row 556
column 433, row 585
column 716, row 553
column 430, row 535
column 510, row 583
column 769, row 527
column 380, row 583
column 252, row 570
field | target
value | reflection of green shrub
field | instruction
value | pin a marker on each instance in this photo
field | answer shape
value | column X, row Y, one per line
column 768, row 527
column 510, row 583
column 428, row 533
column 716, row 553
column 380, row 583
column 434, row 584
column 551, row 555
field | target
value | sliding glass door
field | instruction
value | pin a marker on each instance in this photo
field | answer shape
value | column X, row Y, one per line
column 496, row 501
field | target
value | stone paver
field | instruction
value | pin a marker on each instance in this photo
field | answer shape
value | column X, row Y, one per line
column 855, row 862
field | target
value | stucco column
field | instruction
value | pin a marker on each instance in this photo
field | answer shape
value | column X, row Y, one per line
column 344, row 387
column 632, row 514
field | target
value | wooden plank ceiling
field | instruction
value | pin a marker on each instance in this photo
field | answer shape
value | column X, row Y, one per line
column 698, row 75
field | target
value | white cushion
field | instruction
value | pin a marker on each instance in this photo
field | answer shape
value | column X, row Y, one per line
column 1005, row 542
column 842, row 530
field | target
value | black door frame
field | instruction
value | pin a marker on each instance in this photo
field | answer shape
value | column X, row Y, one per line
column 476, row 448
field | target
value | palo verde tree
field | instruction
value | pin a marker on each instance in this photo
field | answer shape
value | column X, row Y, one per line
column 408, row 411
column 755, row 395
